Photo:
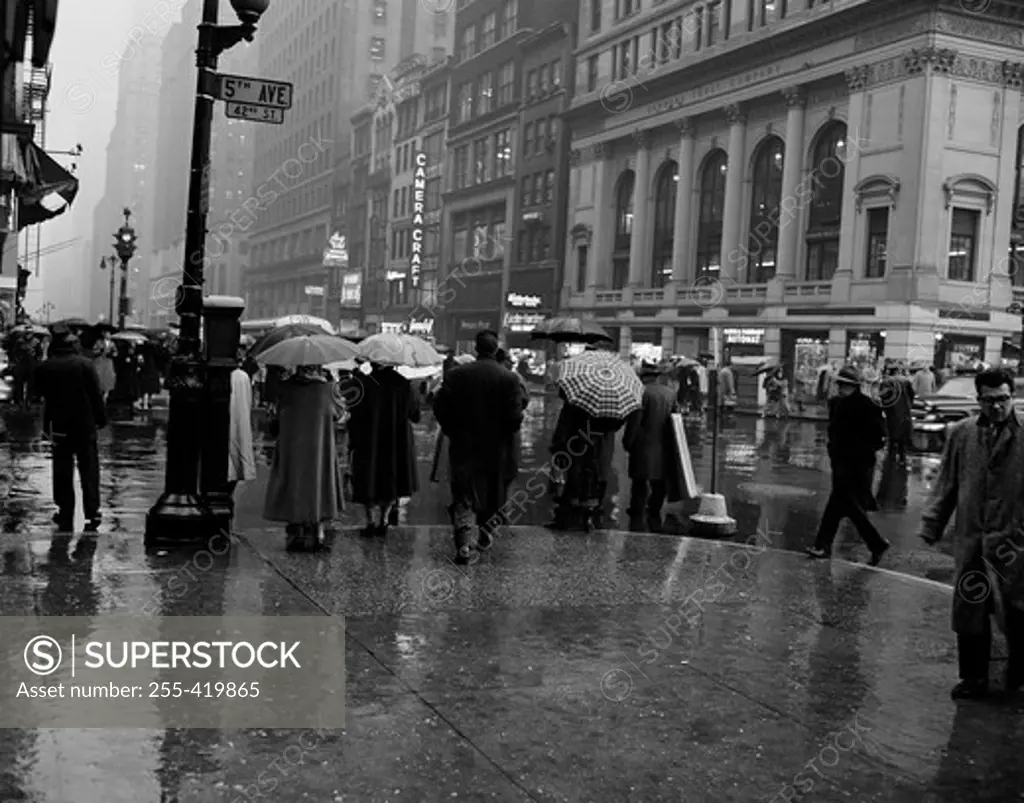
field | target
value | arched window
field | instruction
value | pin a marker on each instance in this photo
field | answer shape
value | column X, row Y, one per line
column 763, row 239
column 828, row 170
column 664, row 223
column 1016, row 264
column 623, row 229
column 712, row 205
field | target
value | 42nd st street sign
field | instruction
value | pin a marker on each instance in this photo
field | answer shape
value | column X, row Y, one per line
column 254, row 113
column 253, row 91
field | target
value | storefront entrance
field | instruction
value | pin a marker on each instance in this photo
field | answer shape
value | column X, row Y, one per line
column 645, row 344
column 866, row 350
column 744, row 348
column 804, row 354
column 959, row 352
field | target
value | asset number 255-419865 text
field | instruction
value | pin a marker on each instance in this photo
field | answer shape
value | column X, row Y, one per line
column 218, row 689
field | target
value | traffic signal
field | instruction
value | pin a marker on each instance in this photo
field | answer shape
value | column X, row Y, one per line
column 124, row 242
column 22, row 288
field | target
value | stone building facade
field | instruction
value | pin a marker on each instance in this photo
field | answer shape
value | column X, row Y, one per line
column 836, row 181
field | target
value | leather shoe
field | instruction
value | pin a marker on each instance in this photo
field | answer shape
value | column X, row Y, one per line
column 876, row 554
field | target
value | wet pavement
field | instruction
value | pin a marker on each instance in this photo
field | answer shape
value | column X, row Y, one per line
column 563, row 667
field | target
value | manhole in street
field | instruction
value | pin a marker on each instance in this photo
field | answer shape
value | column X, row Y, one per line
column 774, row 491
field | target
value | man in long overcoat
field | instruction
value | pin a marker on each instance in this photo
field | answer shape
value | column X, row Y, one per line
column 479, row 408
column 896, row 395
column 855, row 433
column 980, row 479
column 73, row 410
column 648, row 440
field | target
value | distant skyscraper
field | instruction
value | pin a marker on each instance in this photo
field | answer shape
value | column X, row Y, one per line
column 336, row 54
column 231, row 144
column 131, row 180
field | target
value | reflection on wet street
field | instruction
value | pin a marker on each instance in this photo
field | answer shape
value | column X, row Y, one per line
column 605, row 667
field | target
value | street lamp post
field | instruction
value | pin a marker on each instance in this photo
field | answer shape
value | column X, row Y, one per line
column 110, row 262
column 180, row 515
column 124, row 244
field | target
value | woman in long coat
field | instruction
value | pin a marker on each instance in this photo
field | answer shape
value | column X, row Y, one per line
column 241, row 458
column 382, row 445
column 304, row 489
column 149, row 374
column 102, row 349
column 587, row 464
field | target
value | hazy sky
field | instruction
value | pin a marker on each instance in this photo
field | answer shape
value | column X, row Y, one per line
column 83, row 101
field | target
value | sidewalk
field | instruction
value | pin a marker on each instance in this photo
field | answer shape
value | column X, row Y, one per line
column 605, row 668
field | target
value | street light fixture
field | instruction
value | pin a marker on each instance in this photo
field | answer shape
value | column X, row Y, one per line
column 180, row 514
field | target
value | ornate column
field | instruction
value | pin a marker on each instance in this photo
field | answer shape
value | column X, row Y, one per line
column 792, row 169
column 599, row 256
column 733, row 260
column 682, row 247
column 638, row 256
column 856, row 139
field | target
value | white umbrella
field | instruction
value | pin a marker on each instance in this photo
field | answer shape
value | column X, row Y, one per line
column 390, row 348
column 424, row 372
column 308, row 350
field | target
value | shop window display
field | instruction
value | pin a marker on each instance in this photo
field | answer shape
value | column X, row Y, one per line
column 809, row 355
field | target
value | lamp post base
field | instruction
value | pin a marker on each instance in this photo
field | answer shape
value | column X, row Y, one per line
column 183, row 520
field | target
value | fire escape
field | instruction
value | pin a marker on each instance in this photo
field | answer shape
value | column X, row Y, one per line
column 35, row 92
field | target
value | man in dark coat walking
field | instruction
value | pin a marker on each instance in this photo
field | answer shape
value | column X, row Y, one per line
column 479, row 408
column 73, row 410
column 381, row 441
column 856, row 432
column 649, row 442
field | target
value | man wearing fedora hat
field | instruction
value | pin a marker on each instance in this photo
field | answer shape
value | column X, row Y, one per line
column 73, row 410
column 856, row 431
column 648, row 440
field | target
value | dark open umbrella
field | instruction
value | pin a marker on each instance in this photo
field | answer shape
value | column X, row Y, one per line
column 280, row 333
column 564, row 329
column 72, row 323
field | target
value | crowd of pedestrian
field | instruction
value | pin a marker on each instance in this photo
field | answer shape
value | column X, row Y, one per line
column 358, row 424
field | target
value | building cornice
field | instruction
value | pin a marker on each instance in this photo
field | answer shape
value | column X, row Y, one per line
column 713, row 76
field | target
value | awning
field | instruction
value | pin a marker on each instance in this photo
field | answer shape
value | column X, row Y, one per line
column 16, row 13
column 51, row 190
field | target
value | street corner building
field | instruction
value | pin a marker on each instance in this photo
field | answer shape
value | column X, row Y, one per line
column 33, row 187
column 812, row 181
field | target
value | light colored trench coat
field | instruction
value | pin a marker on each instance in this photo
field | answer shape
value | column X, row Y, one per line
column 241, row 458
column 984, row 487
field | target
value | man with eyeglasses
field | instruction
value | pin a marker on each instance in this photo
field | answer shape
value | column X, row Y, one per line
column 981, row 480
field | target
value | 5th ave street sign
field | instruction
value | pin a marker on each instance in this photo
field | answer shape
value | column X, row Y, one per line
column 254, row 113
column 254, row 91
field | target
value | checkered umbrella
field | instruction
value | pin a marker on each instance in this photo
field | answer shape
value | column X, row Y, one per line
column 601, row 383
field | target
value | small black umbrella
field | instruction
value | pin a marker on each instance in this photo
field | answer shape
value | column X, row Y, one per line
column 564, row 329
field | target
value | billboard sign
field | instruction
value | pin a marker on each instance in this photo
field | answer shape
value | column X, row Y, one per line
column 419, row 199
column 351, row 289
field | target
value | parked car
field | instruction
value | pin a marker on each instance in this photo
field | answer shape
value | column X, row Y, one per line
column 954, row 401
